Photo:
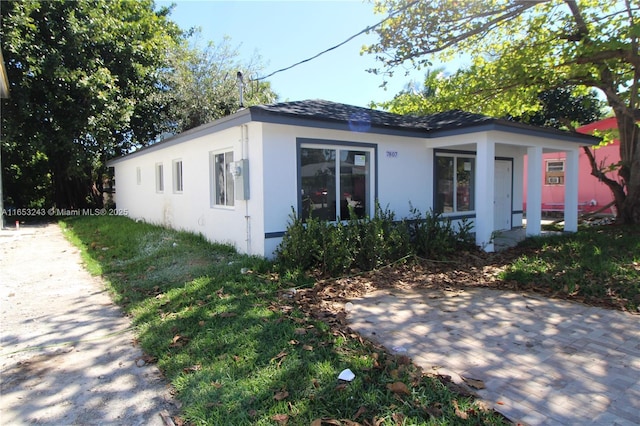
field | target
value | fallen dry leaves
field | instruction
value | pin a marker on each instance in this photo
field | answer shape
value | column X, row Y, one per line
column 360, row 412
column 178, row 341
column 459, row 413
column 399, row 388
column 326, row 300
column 192, row 368
column 280, row 357
column 474, row 383
column 280, row 418
column 279, row 396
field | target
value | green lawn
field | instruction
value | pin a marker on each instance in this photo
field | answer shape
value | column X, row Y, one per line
column 237, row 352
column 598, row 265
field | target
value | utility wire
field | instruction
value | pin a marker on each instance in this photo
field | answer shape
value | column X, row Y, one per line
column 369, row 28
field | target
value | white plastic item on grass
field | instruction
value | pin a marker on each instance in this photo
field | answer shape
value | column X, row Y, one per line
column 347, row 375
column 400, row 349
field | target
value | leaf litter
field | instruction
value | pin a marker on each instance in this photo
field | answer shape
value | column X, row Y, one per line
column 327, row 299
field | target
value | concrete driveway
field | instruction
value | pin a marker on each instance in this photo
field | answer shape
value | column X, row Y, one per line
column 67, row 353
column 542, row 361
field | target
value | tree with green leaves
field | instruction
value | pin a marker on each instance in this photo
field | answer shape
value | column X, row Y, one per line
column 565, row 108
column 522, row 48
column 560, row 107
column 202, row 84
column 84, row 80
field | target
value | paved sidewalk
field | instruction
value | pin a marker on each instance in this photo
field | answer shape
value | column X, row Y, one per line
column 66, row 351
column 543, row 362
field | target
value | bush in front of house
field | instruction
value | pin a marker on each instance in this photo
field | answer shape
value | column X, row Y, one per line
column 333, row 248
column 435, row 237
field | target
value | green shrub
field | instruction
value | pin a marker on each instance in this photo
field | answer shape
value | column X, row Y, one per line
column 367, row 243
column 339, row 249
column 435, row 237
column 300, row 248
column 382, row 239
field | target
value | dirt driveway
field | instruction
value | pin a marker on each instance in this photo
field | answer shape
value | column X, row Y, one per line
column 67, row 353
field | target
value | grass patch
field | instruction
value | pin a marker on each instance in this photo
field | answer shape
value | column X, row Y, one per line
column 595, row 264
column 236, row 352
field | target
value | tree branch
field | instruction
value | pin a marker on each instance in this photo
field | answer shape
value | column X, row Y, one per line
column 582, row 29
column 633, row 97
column 518, row 9
column 616, row 188
column 604, row 55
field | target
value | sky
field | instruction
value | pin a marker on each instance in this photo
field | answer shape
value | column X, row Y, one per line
column 286, row 32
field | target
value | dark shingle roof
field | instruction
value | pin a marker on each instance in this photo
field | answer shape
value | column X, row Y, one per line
column 325, row 114
column 365, row 119
column 331, row 111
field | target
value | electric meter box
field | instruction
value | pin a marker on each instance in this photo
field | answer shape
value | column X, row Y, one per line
column 241, row 177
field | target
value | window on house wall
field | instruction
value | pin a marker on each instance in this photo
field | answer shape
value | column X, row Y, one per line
column 177, row 176
column 138, row 176
column 554, row 172
column 455, row 183
column 335, row 181
column 159, row 177
column 222, row 179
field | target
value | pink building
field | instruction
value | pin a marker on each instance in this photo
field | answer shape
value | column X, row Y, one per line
column 592, row 194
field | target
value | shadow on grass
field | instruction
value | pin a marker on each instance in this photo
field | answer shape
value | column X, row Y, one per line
column 542, row 361
column 236, row 352
column 594, row 265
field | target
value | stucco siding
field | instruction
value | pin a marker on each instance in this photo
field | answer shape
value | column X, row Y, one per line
column 401, row 171
column 400, row 167
column 191, row 209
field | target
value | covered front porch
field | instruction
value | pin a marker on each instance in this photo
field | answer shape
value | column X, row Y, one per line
column 507, row 239
column 499, row 173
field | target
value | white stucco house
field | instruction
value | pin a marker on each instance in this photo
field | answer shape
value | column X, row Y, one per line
column 235, row 180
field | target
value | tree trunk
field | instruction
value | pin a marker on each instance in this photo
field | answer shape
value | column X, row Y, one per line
column 619, row 195
column 630, row 168
column 70, row 192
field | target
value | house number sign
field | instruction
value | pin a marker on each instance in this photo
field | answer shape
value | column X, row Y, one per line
column 392, row 154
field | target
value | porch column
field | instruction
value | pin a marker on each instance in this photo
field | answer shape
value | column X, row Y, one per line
column 571, row 191
column 485, row 172
column 534, row 190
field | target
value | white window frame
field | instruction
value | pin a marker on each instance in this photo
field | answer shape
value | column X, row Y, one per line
column 178, row 177
column 159, row 177
column 229, row 203
column 555, row 169
column 554, row 172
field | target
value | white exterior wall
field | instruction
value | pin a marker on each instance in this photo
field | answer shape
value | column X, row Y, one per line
column 403, row 172
column 403, row 175
column 191, row 210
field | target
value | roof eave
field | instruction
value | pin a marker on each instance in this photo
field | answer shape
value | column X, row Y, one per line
column 241, row 117
column 258, row 114
column 324, row 123
column 518, row 128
